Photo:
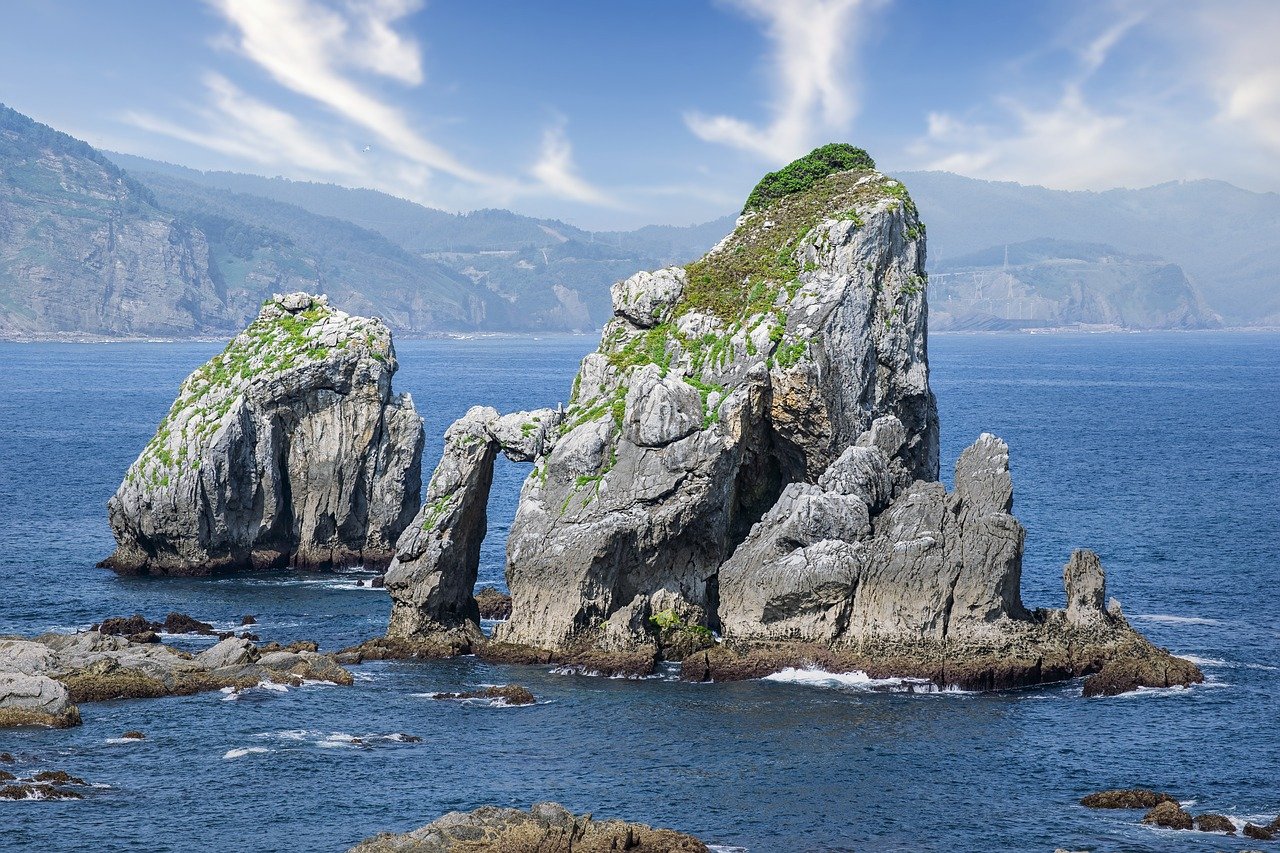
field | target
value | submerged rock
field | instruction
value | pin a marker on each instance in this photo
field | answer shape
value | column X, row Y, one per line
column 1215, row 823
column 289, row 448
column 1126, row 798
column 753, row 451
column 547, row 827
column 506, row 694
column 1260, row 833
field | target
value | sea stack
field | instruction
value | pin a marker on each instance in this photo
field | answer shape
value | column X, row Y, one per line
column 287, row 449
column 753, row 452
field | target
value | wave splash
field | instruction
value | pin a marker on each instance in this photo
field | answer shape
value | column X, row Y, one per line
column 856, row 680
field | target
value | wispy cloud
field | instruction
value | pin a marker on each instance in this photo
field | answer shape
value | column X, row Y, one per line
column 814, row 43
column 1204, row 101
column 312, row 49
column 555, row 170
column 334, row 55
column 250, row 129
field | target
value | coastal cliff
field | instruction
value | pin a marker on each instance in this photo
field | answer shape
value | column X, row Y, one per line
column 753, row 451
column 288, row 448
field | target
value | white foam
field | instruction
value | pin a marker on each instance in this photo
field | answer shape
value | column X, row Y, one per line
column 120, row 740
column 340, row 740
column 243, row 751
column 856, row 680
column 1199, row 661
column 724, row 848
column 1170, row 619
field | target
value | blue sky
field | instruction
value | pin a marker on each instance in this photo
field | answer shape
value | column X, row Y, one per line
column 616, row 113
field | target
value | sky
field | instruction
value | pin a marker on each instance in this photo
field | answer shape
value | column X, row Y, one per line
column 628, row 112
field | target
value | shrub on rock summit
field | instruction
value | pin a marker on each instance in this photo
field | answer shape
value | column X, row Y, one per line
column 801, row 174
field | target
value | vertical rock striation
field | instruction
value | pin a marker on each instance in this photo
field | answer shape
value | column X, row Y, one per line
column 753, row 450
column 288, row 448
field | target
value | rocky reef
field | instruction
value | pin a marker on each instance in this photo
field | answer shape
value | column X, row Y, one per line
column 42, row 680
column 544, row 828
column 288, row 448
column 753, row 451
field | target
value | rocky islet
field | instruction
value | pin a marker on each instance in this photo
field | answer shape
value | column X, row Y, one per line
column 287, row 449
column 753, row 452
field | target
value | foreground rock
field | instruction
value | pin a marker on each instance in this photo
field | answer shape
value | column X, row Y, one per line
column 1168, row 815
column 289, row 448
column 40, row 679
column 1126, row 798
column 753, row 451
column 1215, row 823
column 45, row 785
column 30, row 699
column 505, row 694
column 545, row 828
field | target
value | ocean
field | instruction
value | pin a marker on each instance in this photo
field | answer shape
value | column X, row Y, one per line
column 1160, row 451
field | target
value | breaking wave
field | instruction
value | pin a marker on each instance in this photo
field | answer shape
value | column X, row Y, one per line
column 857, row 681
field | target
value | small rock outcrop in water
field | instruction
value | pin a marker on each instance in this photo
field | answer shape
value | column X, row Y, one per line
column 1168, row 815
column 1215, row 823
column 40, row 679
column 753, row 450
column 493, row 604
column 1126, row 798
column 288, row 448
column 545, row 828
column 506, row 694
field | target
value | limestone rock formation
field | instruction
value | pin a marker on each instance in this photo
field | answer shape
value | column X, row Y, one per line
column 40, row 678
column 433, row 575
column 28, row 699
column 546, row 827
column 288, row 448
column 753, row 450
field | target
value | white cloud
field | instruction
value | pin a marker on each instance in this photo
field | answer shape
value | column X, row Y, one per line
column 311, row 48
column 1243, row 66
column 814, row 43
column 555, row 170
column 329, row 53
column 1198, row 97
column 238, row 125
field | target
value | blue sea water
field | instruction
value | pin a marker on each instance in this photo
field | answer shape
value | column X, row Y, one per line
column 1160, row 451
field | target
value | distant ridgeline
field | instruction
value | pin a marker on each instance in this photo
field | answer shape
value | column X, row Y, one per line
column 1054, row 283
column 122, row 246
column 158, row 250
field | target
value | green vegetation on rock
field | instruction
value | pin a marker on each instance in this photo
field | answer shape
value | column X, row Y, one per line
column 799, row 175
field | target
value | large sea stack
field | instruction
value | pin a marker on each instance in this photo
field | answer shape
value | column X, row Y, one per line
column 753, row 451
column 287, row 449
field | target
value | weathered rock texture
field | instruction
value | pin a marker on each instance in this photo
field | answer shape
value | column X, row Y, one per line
column 433, row 576
column 289, row 448
column 545, row 828
column 41, row 678
column 754, row 450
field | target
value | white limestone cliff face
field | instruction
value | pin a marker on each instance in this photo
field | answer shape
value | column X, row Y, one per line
column 289, row 448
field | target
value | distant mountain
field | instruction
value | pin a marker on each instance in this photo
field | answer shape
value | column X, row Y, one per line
column 119, row 245
column 1052, row 283
column 88, row 246
column 85, row 247
column 1225, row 238
column 549, row 274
